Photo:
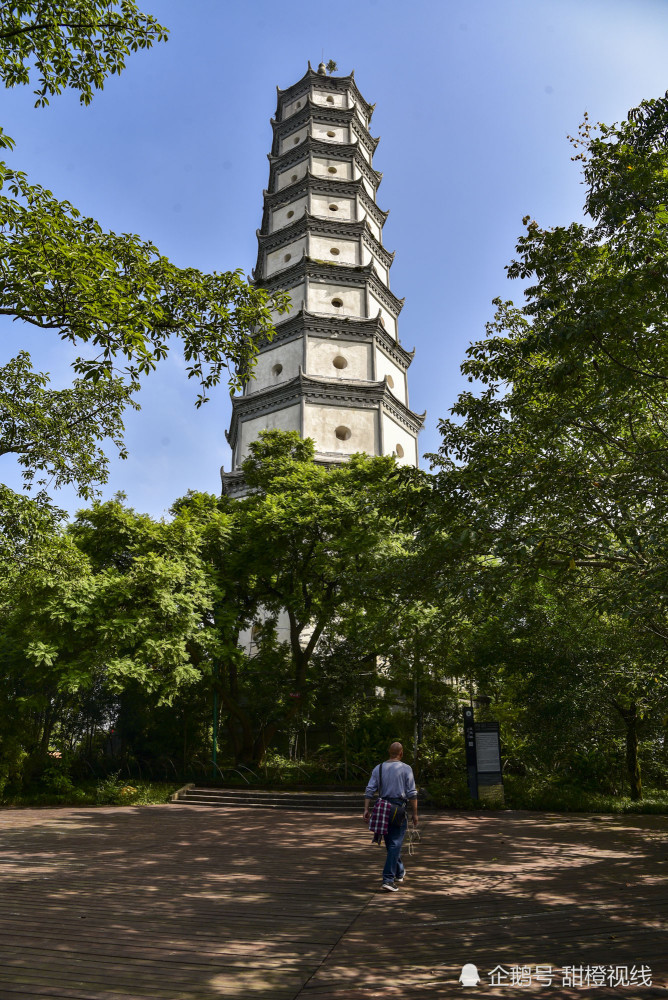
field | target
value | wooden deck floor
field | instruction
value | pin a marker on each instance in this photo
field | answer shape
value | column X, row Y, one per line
column 188, row 903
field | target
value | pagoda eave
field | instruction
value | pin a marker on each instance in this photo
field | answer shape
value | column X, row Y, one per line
column 325, row 227
column 341, row 328
column 340, row 274
column 316, row 184
column 333, row 83
column 328, row 151
column 322, row 391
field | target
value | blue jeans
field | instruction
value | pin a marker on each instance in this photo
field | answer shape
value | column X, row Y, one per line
column 394, row 838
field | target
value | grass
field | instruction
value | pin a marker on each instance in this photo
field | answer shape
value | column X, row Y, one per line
column 546, row 795
column 110, row 791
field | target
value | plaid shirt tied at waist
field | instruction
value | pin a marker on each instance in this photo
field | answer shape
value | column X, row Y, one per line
column 380, row 819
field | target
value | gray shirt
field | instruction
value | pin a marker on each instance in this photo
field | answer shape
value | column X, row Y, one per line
column 398, row 781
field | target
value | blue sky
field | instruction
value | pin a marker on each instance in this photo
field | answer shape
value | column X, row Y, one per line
column 474, row 102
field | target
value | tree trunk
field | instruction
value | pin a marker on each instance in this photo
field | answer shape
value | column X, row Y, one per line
column 632, row 762
column 238, row 719
column 262, row 742
column 417, row 709
column 246, row 752
column 630, row 717
column 185, row 740
column 233, row 736
column 416, row 712
column 345, row 752
column 49, row 720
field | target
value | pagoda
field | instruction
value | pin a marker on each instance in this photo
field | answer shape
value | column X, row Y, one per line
column 335, row 370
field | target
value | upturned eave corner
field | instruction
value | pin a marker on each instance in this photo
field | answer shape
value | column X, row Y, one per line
column 334, row 83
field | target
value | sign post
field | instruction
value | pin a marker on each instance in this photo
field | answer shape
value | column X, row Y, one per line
column 482, row 744
column 469, row 745
column 488, row 762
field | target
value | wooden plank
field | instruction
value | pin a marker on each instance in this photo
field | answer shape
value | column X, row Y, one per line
column 183, row 903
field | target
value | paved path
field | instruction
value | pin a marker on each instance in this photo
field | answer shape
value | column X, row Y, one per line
column 188, row 903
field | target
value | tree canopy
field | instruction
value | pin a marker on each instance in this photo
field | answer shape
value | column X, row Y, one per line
column 557, row 461
column 77, row 43
column 115, row 296
column 306, row 544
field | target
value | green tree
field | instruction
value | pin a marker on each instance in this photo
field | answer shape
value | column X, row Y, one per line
column 56, row 432
column 150, row 597
column 556, row 465
column 114, row 294
column 74, row 44
column 569, row 435
column 302, row 541
column 413, row 637
column 570, row 686
column 119, row 599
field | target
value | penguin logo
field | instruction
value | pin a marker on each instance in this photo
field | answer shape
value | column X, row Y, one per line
column 469, row 976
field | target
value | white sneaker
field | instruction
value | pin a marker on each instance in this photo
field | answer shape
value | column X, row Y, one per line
column 390, row 886
column 400, row 878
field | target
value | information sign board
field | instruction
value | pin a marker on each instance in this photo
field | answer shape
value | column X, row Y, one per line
column 482, row 745
column 487, row 748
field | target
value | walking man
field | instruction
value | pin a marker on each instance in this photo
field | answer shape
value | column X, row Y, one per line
column 395, row 784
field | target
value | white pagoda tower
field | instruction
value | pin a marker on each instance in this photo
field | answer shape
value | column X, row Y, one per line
column 335, row 371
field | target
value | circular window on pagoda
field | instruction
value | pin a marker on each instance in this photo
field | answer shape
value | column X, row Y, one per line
column 399, row 450
column 331, row 170
column 333, row 208
column 340, row 362
column 287, row 257
column 290, row 214
column 294, row 178
column 330, row 100
column 390, row 381
column 332, row 135
column 298, row 104
column 297, row 139
column 277, row 369
column 343, row 433
column 337, row 303
column 334, row 251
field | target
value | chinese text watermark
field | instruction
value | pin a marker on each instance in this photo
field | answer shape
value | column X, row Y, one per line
column 571, row 975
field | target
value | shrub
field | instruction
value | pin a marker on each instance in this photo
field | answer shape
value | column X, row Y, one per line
column 56, row 779
column 111, row 791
